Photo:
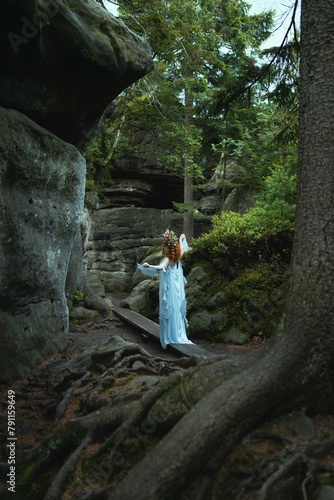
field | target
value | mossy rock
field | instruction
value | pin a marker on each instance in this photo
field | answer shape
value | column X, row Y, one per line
column 256, row 297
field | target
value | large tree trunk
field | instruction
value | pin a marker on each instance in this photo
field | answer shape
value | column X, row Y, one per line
column 203, row 412
column 188, row 216
column 188, row 195
column 310, row 311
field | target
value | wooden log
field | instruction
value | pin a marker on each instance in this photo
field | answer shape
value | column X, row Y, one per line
column 150, row 328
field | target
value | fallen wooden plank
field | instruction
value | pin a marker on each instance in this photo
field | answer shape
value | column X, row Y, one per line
column 135, row 319
column 150, row 328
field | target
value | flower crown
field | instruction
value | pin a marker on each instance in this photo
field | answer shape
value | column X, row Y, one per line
column 170, row 238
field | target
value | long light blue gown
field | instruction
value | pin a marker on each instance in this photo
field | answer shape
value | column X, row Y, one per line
column 172, row 303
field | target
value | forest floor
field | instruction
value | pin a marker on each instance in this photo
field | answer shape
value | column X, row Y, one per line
column 38, row 396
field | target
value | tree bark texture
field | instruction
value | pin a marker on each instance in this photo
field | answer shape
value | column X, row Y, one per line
column 188, row 217
column 310, row 304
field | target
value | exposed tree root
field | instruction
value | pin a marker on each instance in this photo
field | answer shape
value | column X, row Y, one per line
column 58, row 484
column 201, row 440
column 62, row 406
column 298, row 457
column 116, row 416
column 138, row 413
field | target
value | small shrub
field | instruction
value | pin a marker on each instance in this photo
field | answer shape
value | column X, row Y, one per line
column 78, row 296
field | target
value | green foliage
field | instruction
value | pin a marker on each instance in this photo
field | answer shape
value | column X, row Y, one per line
column 91, row 186
column 256, row 298
column 263, row 234
column 72, row 317
column 326, row 478
column 278, row 198
column 197, row 46
column 246, row 148
column 98, row 174
column 204, row 53
column 78, row 296
column 188, row 208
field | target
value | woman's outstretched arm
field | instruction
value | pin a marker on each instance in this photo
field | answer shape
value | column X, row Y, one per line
column 163, row 264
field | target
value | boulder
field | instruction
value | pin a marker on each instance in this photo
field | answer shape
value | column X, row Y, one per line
column 42, row 182
column 217, row 301
column 197, row 289
column 82, row 315
column 204, row 324
column 107, row 347
column 326, row 492
column 236, row 336
column 63, row 63
column 137, row 300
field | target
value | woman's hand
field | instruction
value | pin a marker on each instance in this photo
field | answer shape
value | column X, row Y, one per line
column 146, row 264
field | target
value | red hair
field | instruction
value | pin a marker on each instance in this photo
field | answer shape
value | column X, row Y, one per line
column 174, row 251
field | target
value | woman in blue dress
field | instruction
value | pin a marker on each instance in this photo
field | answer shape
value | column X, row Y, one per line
column 172, row 299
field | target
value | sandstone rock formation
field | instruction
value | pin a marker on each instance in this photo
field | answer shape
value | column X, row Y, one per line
column 121, row 237
column 141, row 180
column 42, row 181
column 64, row 62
